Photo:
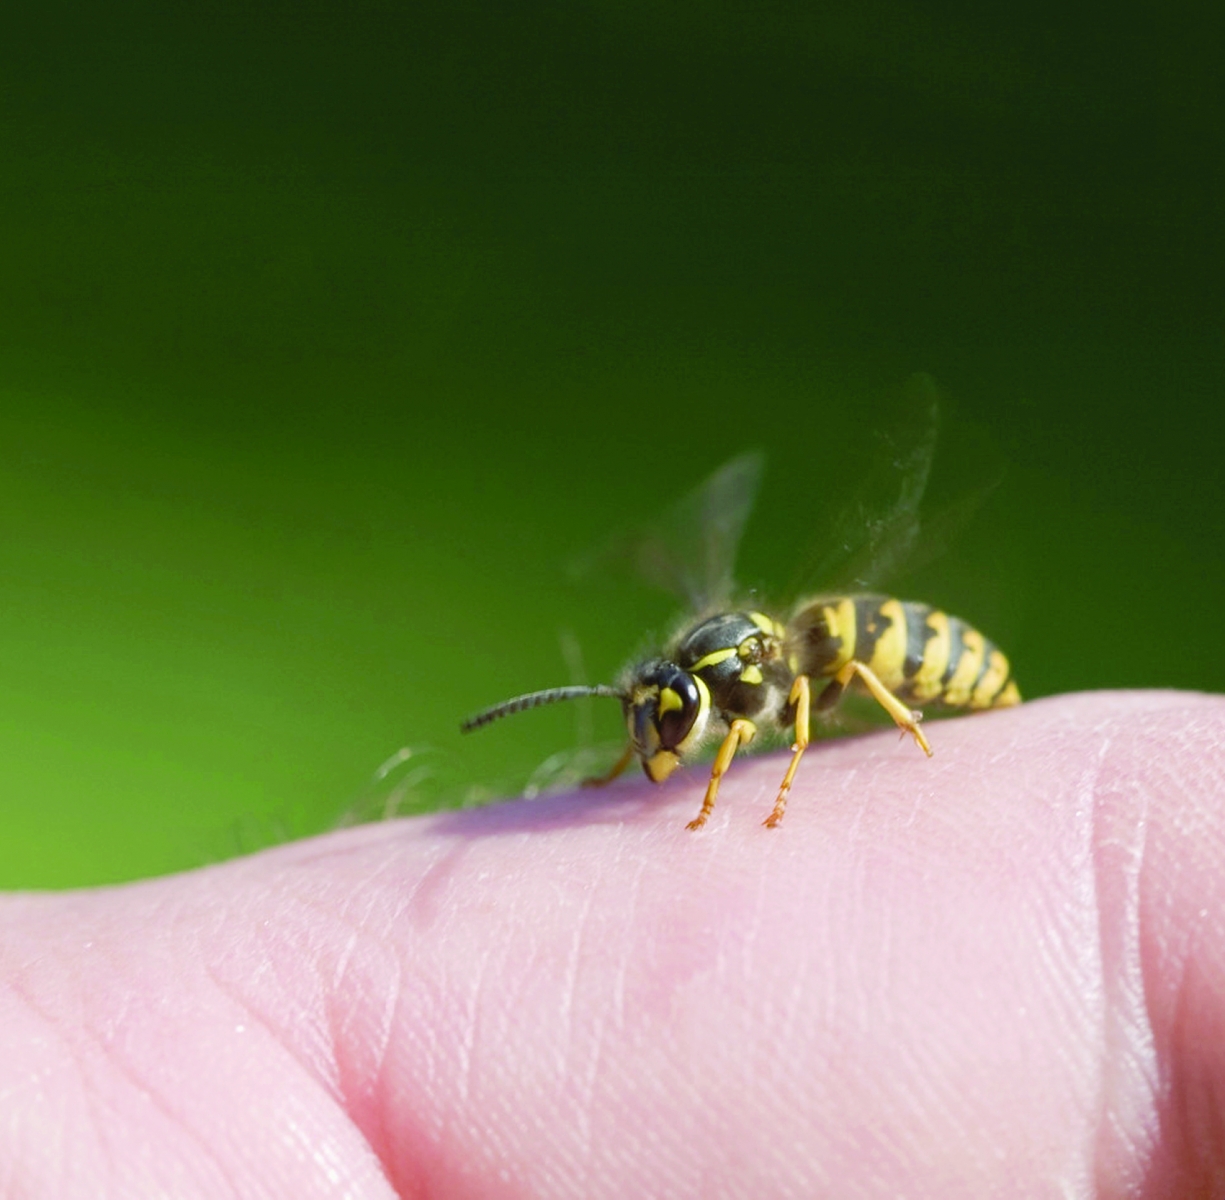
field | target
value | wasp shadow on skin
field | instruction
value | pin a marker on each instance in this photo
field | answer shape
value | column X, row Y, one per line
column 748, row 789
column 616, row 804
column 640, row 807
column 629, row 801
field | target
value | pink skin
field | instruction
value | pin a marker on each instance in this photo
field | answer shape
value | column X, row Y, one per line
column 997, row 973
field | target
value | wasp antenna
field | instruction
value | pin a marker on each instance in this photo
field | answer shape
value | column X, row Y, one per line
column 535, row 700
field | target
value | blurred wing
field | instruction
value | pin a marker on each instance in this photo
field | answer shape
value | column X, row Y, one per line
column 885, row 529
column 690, row 551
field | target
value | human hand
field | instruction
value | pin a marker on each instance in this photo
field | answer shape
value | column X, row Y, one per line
column 1000, row 972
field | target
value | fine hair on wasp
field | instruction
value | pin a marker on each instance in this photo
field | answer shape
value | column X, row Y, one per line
column 735, row 669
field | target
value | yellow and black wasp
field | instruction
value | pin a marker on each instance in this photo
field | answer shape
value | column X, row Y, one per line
column 735, row 668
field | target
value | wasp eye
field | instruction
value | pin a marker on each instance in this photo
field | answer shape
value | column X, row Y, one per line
column 678, row 705
column 676, row 717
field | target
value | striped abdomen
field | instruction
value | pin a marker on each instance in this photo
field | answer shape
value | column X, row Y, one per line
column 922, row 655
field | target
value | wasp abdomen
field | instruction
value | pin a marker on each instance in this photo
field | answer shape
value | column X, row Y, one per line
column 921, row 654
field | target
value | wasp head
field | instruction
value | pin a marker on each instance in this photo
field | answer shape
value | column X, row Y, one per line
column 666, row 710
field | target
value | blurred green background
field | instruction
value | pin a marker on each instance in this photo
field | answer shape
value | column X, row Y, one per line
column 330, row 333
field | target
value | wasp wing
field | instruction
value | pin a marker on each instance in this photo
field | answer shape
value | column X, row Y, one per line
column 877, row 529
column 887, row 528
column 884, row 529
column 690, row 549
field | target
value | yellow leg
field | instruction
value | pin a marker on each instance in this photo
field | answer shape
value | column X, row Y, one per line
column 905, row 719
column 800, row 697
column 616, row 769
column 740, row 734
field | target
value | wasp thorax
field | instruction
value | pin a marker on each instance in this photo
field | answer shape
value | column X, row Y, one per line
column 666, row 709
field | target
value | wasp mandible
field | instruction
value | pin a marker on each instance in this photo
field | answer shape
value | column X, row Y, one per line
column 736, row 669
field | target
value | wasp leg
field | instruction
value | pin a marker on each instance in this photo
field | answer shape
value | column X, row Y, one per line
column 905, row 719
column 800, row 698
column 616, row 769
column 740, row 734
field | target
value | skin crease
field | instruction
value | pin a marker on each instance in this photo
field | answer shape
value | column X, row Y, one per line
column 997, row 973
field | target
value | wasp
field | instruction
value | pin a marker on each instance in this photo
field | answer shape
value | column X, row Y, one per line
column 735, row 670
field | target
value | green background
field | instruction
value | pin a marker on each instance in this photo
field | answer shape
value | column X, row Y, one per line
column 330, row 333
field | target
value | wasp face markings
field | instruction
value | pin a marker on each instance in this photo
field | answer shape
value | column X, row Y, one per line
column 666, row 710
